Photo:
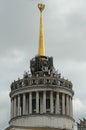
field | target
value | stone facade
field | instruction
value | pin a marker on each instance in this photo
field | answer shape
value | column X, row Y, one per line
column 29, row 128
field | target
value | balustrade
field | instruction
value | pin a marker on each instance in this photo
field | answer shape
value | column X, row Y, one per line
column 38, row 81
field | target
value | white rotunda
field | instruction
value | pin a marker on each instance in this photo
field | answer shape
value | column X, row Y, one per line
column 42, row 99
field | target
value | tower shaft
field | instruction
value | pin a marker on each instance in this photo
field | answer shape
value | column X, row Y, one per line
column 41, row 51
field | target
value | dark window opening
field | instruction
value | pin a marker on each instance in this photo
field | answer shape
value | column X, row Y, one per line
column 47, row 105
column 34, row 106
column 26, row 82
column 60, row 100
column 54, row 82
column 41, row 81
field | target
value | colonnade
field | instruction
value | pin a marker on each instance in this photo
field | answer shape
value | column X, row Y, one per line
column 41, row 102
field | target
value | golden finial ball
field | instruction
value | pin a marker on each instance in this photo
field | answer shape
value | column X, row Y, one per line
column 41, row 6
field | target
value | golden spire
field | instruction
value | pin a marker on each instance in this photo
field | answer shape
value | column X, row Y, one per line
column 41, row 51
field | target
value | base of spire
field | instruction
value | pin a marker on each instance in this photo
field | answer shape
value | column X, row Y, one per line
column 41, row 64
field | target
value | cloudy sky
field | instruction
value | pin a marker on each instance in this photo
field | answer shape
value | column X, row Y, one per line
column 65, row 40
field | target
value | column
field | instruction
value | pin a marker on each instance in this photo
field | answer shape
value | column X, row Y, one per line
column 30, row 103
column 44, row 102
column 24, row 104
column 63, row 104
column 67, row 105
column 71, row 107
column 14, row 106
column 51, row 102
column 11, row 108
column 57, row 103
column 41, row 104
column 19, row 105
column 27, row 104
column 37, row 102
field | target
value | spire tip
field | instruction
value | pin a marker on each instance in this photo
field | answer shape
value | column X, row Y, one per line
column 41, row 6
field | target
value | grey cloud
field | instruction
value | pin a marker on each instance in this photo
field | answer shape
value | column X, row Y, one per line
column 68, row 31
column 4, row 109
column 79, row 109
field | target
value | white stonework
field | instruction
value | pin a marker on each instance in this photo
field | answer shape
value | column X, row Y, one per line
column 51, row 121
column 57, row 117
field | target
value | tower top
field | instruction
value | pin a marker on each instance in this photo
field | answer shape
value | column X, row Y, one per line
column 41, row 51
column 41, row 6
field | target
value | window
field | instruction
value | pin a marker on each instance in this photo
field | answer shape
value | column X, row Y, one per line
column 41, row 81
column 26, row 82
column 34, row 106
column 54, row 102
column 48, row 102
column 21, row 104
column 60, row 100
column 33, row 102
column 48, row 105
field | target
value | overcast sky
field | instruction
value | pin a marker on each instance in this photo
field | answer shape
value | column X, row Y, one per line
column 65, row 40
